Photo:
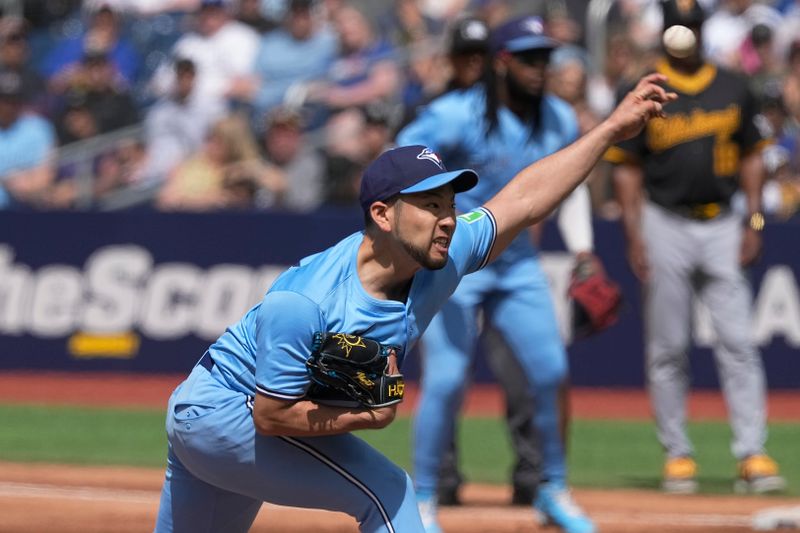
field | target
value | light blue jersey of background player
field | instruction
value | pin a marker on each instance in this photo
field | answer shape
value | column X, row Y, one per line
column 512, row 292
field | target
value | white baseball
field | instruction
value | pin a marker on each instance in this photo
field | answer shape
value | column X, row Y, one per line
column 679, row 41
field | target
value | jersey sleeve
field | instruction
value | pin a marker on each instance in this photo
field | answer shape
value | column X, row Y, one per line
column 285, row 329
column 473, row 240
column 750, row 136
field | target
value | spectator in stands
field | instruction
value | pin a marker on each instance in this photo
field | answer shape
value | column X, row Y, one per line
column 94, row 81
column 758, row 60
column 560, row 24
column 27, row 142
column 425, row 74
column 569, row 66
column 222, row 49
column 76, row 121
column 379, row 127
column 404, row 24
column 622, row 65
column 467, row 53
column 118, row 168
column 176, row 126
column 298, row 52
column 781, row 193
column 199, row 183
column 569, row 72
column 249, row 12
column 355, row 138
column 343, row 153
column 366, row 69
column 791, row 85
column 103, row 33
column 492, row 12
column 142, row 7
column 14, row 57
column 728, row 27
column 293, row 171
column 789, row 28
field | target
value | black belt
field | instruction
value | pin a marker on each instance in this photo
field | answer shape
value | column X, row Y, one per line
column 700, row 211
column 206, row 361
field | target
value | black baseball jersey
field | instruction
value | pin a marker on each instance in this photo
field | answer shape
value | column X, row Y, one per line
column 692, row 156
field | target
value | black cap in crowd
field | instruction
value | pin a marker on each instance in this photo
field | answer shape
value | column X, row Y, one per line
column 683, row 12
column 469, row 35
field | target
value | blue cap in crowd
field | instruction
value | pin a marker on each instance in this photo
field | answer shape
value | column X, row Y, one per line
column 409, row 169
column 521, row 34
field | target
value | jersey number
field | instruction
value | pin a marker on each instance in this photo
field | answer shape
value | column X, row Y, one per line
column 726, row 155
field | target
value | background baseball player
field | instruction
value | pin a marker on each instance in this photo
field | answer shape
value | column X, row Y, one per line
column 674, row 182
column 497, row 128
column 238, row 426
column 468, row 54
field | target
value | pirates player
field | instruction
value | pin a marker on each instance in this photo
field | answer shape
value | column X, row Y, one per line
column 674, row 182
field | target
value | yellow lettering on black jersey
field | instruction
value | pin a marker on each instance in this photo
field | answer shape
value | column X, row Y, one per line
column 681, row 127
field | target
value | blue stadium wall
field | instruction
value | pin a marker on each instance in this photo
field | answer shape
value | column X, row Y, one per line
column 148, row 292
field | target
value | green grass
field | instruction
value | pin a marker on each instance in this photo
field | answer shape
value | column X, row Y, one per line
column 82, row 436
column 602, row 453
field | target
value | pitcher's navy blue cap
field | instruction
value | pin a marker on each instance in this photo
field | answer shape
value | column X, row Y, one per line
column 409, row 169
column 521, row 34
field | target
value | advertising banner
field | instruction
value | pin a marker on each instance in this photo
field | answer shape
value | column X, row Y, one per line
column 148, row 292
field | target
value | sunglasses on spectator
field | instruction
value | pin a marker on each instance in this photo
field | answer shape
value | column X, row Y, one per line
column 532, row 57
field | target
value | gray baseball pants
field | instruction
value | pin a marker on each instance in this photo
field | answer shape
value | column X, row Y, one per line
column 700, row 258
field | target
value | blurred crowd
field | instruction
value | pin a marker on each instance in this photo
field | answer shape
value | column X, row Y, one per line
column 279, row 104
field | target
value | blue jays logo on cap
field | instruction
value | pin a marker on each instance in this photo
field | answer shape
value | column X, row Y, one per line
column 521, row 34
column 431, row 156
column 408, row 169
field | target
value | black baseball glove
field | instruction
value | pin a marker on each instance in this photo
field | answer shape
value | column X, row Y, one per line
column 346, row 368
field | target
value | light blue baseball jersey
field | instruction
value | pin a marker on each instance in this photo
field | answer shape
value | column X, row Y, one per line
column 513, row 291
column 455, row 127
column 267, row 349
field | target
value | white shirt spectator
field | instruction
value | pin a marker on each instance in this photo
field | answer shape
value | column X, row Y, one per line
column 221, row 57
column 174, row 130
column 724, row 31
column 142, row 7
column 788, row 31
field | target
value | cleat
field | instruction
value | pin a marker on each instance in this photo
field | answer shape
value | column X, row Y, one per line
column 680, row 476
column 428, row 510
column 554, row 506
column 758, row 474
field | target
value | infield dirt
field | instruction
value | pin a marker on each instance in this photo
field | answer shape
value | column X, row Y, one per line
column 36, row 498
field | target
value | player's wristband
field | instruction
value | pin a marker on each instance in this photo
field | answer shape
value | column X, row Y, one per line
column 756, row 221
